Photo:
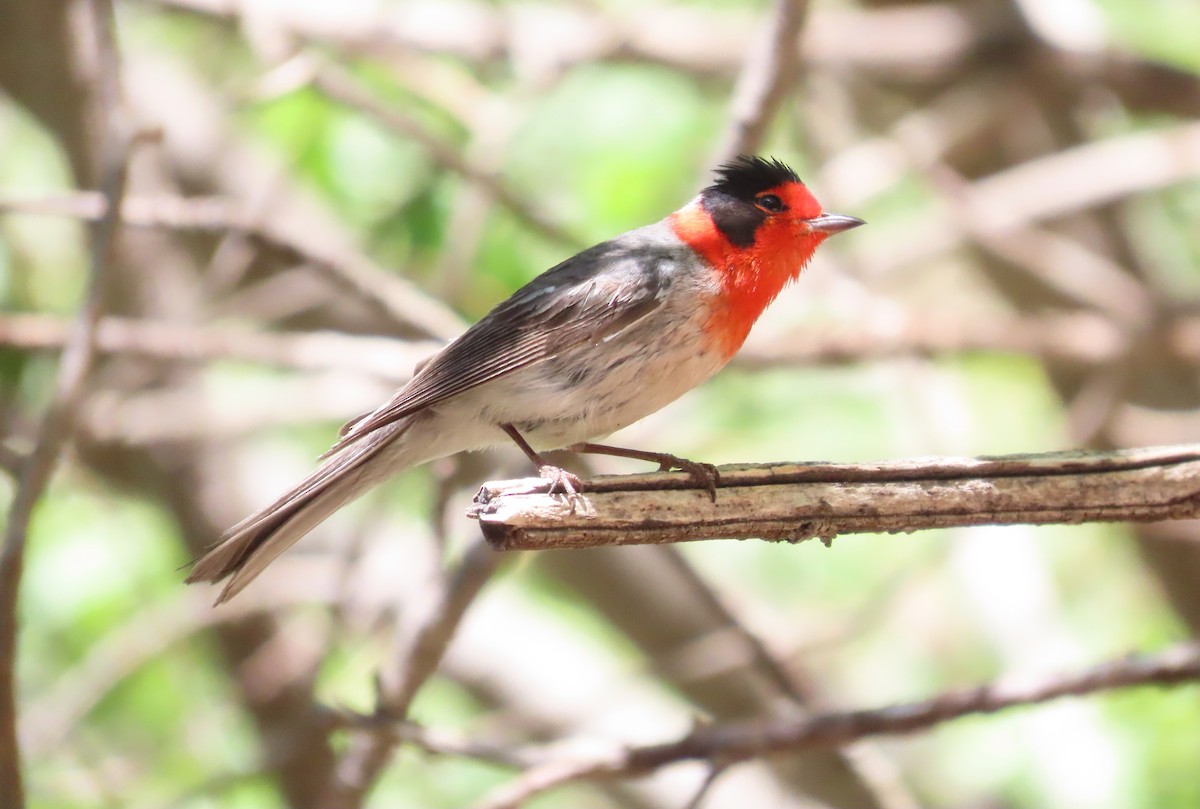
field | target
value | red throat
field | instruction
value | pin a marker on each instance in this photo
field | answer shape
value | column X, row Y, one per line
column 750, row 277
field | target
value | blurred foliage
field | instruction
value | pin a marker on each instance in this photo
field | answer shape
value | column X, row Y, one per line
column 608, row 147
column 1165, row 29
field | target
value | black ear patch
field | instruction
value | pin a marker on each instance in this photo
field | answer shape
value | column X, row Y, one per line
column 737, row 219
column 730, row 201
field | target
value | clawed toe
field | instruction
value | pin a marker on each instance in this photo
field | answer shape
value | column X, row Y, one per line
column 561, row 482
column 704, row 475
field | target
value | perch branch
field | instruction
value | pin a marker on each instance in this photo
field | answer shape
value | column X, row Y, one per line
column 798, row 501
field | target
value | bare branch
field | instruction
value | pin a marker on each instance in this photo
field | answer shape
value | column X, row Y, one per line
column 421, row 650
column 863, row 775
column 737, row 741
column 430, row 740
column 420, row 656
column 176, row 415
column 11, row 460
column 1076, row 337
column 342, row 87
column 1082, row 275
column 1064, row 182
column 74, row 367
column 1079, row 338
column 917, row 40
column 770, row 72
column 794, row 502
column 394, row 296
column 54, row 710
column 206, row 214
column 383, row 357
column 714, row 772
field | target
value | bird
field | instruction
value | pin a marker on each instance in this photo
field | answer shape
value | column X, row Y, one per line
column 598, row 342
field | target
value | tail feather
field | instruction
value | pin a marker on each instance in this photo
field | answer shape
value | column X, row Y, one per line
column 247, row 548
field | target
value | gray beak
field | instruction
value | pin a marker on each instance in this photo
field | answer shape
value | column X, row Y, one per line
column 834, row 223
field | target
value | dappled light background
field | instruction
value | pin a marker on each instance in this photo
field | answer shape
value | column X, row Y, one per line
column 321, row 194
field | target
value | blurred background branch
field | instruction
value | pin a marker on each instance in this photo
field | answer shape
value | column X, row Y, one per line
column 96, row 39
column 732, row 742
column 335, row 190
column 772, row 68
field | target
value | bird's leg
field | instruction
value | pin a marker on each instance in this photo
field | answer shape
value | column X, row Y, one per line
column 704, row 475
column 560, row 479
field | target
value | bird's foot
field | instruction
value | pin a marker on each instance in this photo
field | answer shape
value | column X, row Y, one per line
column 562, row 482
column 704, row 475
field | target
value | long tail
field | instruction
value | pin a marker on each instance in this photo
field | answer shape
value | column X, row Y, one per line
column 247, row 548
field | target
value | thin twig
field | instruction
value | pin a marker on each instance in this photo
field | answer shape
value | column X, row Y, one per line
column 922, row 43
column 57, row 420
column 771, row 70
column 1084, row 276
column 11, row 461
column 794, row 502
column 715, row 771
column 737, row 741
column 1079, row 338
column 395, row 297
column 430, row 740
column 1073, row 179
column 1076, row 337
column 55, row 709
column 177, row 415
column 790, row 683
column 205, row 214
column 384, row 357
column 342, row 87
column 421, row 652
column 913, row 39
column 760, row 657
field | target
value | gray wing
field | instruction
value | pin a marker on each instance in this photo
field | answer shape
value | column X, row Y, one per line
column 586, row 299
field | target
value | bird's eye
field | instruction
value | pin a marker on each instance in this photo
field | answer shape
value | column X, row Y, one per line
column 769, row 202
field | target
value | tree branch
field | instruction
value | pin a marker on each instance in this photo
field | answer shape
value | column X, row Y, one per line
column 340, row 86
column 73, row 370
column 794, row 502
column 11, row 460
column 737, row 741
column 383, row 357
column 1076, row 337
column 421, row 650
column 770, row 71
column 394, row 296
column 1078, row 178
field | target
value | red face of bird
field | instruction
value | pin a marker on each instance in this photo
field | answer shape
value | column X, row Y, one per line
column 758, row 211
column 757, row 226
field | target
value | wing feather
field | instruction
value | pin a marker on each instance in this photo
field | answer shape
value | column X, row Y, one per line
column 571, row 305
